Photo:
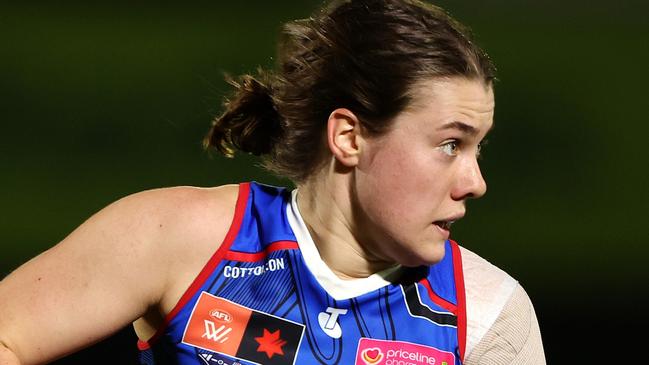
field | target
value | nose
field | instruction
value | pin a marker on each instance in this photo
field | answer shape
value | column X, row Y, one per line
column 469, row 183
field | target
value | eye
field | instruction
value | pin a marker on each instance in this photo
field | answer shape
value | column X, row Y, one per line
column 450, row 148
column 480, row 146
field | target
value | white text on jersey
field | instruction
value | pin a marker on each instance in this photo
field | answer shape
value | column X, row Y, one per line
column 235, row 272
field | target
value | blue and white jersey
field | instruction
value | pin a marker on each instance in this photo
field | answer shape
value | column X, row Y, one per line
column 266, row 297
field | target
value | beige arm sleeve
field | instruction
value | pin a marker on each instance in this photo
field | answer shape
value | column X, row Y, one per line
column 514, row 338
column 501, row 323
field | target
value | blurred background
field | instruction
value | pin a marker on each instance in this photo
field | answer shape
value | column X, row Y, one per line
column 98, row 101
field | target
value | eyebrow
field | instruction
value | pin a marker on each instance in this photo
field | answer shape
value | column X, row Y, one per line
column 463, row 127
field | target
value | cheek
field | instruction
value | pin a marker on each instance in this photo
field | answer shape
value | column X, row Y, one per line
column 400, row 185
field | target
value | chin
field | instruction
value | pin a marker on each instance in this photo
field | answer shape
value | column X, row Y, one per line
column 427, row 257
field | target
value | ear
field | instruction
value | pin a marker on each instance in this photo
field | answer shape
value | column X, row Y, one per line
column 343, row 136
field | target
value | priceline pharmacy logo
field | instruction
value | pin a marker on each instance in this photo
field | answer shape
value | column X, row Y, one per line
column 381, row 352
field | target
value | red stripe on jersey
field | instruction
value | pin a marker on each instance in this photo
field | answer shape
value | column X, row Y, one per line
column 239, row 212
column 258, row 256
column 437, row 299
column 461, row 297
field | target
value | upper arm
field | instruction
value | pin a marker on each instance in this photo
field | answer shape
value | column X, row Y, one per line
column 514, row 338
column 501, row 323
column 107, row 272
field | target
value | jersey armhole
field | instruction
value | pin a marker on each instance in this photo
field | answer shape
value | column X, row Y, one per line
column 212, row 263
column 458, row 273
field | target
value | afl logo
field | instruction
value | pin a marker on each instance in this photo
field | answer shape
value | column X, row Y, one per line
column 221, row 315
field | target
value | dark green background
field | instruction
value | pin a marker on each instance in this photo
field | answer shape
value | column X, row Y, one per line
column 101, row 101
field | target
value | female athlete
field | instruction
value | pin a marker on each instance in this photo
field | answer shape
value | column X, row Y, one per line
column 376, row 111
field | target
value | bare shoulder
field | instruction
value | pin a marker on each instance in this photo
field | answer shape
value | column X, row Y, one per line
column 191, row 227
column 178, row 214
column 128, row 258
column 167, row 205
column 188, row 225
column 162, row 228
column 184, row 225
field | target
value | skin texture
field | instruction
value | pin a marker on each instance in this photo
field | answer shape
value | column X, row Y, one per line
column 376, row 203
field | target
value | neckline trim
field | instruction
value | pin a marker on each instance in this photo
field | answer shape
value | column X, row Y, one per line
column 336, row 287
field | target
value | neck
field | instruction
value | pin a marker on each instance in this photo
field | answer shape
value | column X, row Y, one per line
column 326, row 207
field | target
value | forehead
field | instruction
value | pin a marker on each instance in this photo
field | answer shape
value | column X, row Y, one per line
column 456, row 97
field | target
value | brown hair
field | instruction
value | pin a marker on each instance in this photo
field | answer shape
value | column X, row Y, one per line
column 363, row 55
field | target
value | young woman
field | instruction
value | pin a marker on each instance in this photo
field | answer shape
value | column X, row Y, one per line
column 376, row 111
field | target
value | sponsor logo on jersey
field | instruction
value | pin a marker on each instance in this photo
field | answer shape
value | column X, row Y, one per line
column 216, row 334
column 221, row 316
column 372, row 355
column 382, row 352
column 224, row 327
column 236, row 272
column 328, row 321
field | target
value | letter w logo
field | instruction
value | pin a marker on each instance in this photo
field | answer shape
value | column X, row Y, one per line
column 216, row 334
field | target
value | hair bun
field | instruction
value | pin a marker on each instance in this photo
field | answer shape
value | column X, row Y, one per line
column 250, row 122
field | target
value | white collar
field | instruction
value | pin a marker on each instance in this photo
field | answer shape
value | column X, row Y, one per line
column 338, row 288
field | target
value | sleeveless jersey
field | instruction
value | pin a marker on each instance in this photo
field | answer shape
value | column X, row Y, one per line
column 260, row 300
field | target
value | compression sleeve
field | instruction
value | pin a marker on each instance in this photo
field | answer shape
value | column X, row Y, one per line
column 514, row 338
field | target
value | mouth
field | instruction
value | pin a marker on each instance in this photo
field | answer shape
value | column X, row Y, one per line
column 445, row 225
column 444, row 228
